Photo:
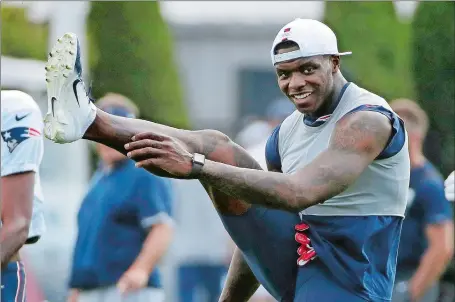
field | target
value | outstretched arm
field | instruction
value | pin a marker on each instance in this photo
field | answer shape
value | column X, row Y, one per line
column 115, row 132
column 357, row 140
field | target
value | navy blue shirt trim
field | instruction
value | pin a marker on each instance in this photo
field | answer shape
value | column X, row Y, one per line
column 318, row 121
column 398, row 136
column 272, row 153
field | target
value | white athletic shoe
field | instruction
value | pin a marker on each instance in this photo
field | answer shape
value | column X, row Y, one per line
column 70, row 111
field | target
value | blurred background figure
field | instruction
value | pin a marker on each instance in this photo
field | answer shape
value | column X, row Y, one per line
column 22, row 217
column 255, row 135
column 199, row 249
column 124, row 225
column 427, row 237
column 255, row 131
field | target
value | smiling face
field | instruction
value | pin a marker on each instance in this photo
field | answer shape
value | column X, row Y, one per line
column 307, row 82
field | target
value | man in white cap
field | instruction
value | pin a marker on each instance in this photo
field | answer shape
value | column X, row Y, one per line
column 343, row 163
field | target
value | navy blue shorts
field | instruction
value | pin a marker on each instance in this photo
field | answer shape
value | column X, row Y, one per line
column 13, row 283
column 266, row 238
column 315, row 283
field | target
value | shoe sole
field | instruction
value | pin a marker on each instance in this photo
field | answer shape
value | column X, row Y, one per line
column 60, row 65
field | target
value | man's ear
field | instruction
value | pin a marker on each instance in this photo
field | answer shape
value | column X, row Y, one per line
column 335, row 63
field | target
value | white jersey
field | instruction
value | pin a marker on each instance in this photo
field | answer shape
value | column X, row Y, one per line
column 22, row 146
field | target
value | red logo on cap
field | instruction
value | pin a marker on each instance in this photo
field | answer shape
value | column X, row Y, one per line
column 287, row 29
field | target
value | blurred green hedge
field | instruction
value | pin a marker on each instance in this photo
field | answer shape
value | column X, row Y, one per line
column 434, row 71
column 20, row 38
column 380, row 45
column 131, row 53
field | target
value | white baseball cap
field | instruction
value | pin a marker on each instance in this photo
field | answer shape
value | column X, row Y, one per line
column 313, row 37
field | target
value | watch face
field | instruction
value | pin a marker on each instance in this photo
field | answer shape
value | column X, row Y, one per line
column 199, row 158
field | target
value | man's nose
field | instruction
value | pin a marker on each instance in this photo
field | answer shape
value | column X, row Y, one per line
column 297, row 81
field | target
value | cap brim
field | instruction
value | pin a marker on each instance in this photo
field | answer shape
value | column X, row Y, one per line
column 295, row 54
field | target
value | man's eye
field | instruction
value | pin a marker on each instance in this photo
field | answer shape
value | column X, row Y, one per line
column 308, row 70
column 283, row 74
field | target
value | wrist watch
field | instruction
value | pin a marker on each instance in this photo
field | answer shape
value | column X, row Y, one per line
column 198, row 161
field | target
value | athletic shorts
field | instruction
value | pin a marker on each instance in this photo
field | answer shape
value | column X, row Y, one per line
column 316, row 284
column 13, row 283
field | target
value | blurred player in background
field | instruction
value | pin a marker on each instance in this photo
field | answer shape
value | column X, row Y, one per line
column 275, row 114
column 22, row 218
column 124, row 227
column 339, row 173
column 427, row 238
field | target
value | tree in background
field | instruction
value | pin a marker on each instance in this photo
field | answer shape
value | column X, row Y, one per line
column 380, row 45
column 20, row 38
column 434, row 72
column 131, row 53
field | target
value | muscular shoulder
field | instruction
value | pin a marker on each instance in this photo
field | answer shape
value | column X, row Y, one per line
column 362, row 131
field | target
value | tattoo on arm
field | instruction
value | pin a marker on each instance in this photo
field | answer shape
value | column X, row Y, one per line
column 357, row 140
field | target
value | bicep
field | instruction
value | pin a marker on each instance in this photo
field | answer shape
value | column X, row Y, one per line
column 358, row 139
column 17, row 196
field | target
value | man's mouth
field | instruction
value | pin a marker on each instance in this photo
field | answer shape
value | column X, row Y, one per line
column 302, row 96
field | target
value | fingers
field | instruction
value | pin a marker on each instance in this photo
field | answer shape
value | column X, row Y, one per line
column 150, row 135
column 143, row 149
column 146, row 162
column 143, row 143
column 145, row 153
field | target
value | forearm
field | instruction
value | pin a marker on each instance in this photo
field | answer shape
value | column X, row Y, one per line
column 240, row 282
column 115, row 132
column 12, row 238
column 274, row 190
column 154, row 247
column 320, row 180
column 433, row 263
